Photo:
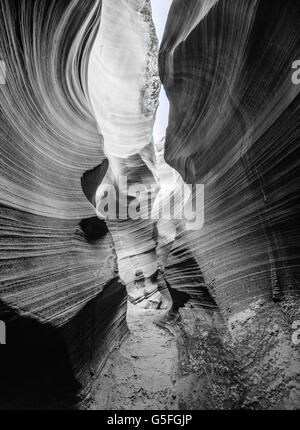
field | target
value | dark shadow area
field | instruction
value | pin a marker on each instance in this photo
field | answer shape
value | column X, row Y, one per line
column 43, row 367
column 35, row 368
column 179, row 298
column 91, row 180
column 93, row 228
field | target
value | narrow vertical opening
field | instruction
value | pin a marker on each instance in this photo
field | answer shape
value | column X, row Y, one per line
column 160, row 11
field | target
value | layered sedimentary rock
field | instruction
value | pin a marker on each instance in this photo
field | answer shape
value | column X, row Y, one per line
column 123, row 87
column 234, row 127
column 60, row 297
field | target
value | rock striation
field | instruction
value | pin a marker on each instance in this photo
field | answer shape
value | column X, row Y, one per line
column 60, row 297
column 77, row 107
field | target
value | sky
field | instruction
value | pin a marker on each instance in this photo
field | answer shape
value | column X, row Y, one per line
column 160, row 10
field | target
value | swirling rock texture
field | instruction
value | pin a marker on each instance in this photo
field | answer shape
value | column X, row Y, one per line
column 123, row 86
column 77, row 112
column 234, row 127
column 124, row 89
column 60, row 297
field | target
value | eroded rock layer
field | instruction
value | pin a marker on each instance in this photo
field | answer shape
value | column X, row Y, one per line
column 60, row 297
column 234, row 127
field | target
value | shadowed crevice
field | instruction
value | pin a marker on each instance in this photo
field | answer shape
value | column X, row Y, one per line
column 47, row 367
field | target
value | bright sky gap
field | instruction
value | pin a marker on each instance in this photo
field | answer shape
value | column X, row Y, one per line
column 160, row 10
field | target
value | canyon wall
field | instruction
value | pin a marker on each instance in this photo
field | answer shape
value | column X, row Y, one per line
column 77, row 110
column 234, row 127
column 60, row 297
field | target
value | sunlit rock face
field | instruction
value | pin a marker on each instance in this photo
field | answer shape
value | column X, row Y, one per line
column 59, row 293
column 124, row 89
column 234, row 127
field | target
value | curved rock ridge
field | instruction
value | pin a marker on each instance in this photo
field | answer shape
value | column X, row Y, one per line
column 60, row 297
column 233, row 126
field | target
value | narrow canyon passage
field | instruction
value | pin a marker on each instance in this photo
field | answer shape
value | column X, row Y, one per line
column 197, row 364
column 141, row 374
column 201, row 94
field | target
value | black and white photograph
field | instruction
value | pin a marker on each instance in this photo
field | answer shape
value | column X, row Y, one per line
column 149, row 208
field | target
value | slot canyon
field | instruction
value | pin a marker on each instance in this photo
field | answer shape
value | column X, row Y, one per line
column 149, row 204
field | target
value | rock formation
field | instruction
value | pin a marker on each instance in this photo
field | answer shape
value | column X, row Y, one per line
column 77, row 110
column 124, row 89
column 234, row 127
column 61, row 300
